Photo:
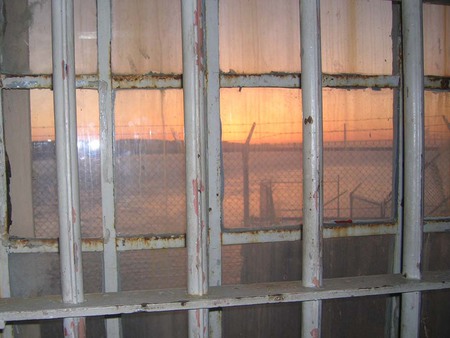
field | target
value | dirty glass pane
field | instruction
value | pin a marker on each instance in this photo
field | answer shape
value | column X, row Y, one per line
column 160, row 324
column 355, row 317
column 436, row 251
column 436, row 35
column 153, row 269
column 437, row 154
column 358, row 154
column 259, row 263
column 30, row 143
column 356, row 36
column 259, row 36
column 261, row 135
column 435, row 307
column 149, row 162
column 26, row 38
column 146, row 37
column 38, row 275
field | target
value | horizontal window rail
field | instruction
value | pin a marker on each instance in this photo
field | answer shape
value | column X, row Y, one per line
column 227, row 80
column 154, row 242
column 51, row 307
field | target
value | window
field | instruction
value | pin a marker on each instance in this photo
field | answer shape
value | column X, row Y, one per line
column 212, row 167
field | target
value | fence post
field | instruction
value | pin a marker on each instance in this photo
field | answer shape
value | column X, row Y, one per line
column 246, row 180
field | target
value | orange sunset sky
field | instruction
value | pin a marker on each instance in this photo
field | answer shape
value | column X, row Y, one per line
column 256, row 36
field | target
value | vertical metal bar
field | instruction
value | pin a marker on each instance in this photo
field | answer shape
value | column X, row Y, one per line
column 413, row 93
column 215, row 161
column 67, row 161
column 195, row 121
column 312, row 162
column 110, row 266
column 5, row 289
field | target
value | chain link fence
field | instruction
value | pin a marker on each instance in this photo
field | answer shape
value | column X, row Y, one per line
column 262, row 185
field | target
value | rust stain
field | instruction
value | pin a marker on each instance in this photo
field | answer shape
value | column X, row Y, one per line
column 276, row 298
column 316, row 282
column 197, row 188
column 198, row 27
column 314, row 333
column 63, row 67
column 344, row 221
column 346, row 227
column 135, row 81
column 316, row 199
column 197, row 315
column 309, row 120
column 74, row 215
column 82, row 328
column 75, row 249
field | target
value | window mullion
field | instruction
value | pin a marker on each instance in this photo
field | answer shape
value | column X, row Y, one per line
column 5, row 288
column 110, row 264
column 195, row 124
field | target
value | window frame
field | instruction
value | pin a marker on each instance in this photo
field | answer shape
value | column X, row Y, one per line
column 211, row 295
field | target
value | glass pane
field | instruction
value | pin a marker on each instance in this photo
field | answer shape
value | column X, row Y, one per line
column 356, row 36
column 355, row 317
column 146, row 37
column 27, row 46
column 33, row 275
column 153, row 269
column 357, row 256
column 263, row 321
column 435, row 307
column 259, row 36
column 437, row 154
column 358, row 169
column 261, row 133
column 436, row 251
column 30, row 143
column 159, row 324
column 436, row 35
column 150, row 162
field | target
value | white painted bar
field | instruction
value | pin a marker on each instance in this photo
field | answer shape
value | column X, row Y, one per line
column 413, row 93
column 67, row 161
column 195, row 124
column 110, row 265
column 215, row 162
column 5, row 288
column 312, row 162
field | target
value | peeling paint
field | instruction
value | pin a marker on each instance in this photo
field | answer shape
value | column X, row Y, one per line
column 315, row 333
column 309, row 120
column 74, row 215
column 316, row 282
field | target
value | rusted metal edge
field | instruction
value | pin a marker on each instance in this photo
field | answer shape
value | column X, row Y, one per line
column 292, row 80
column 51, row 307
column 227, row 80
column 437, row 82
column 45, row 82
column 229, row 237
column 260, row 236
column 147, row 81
